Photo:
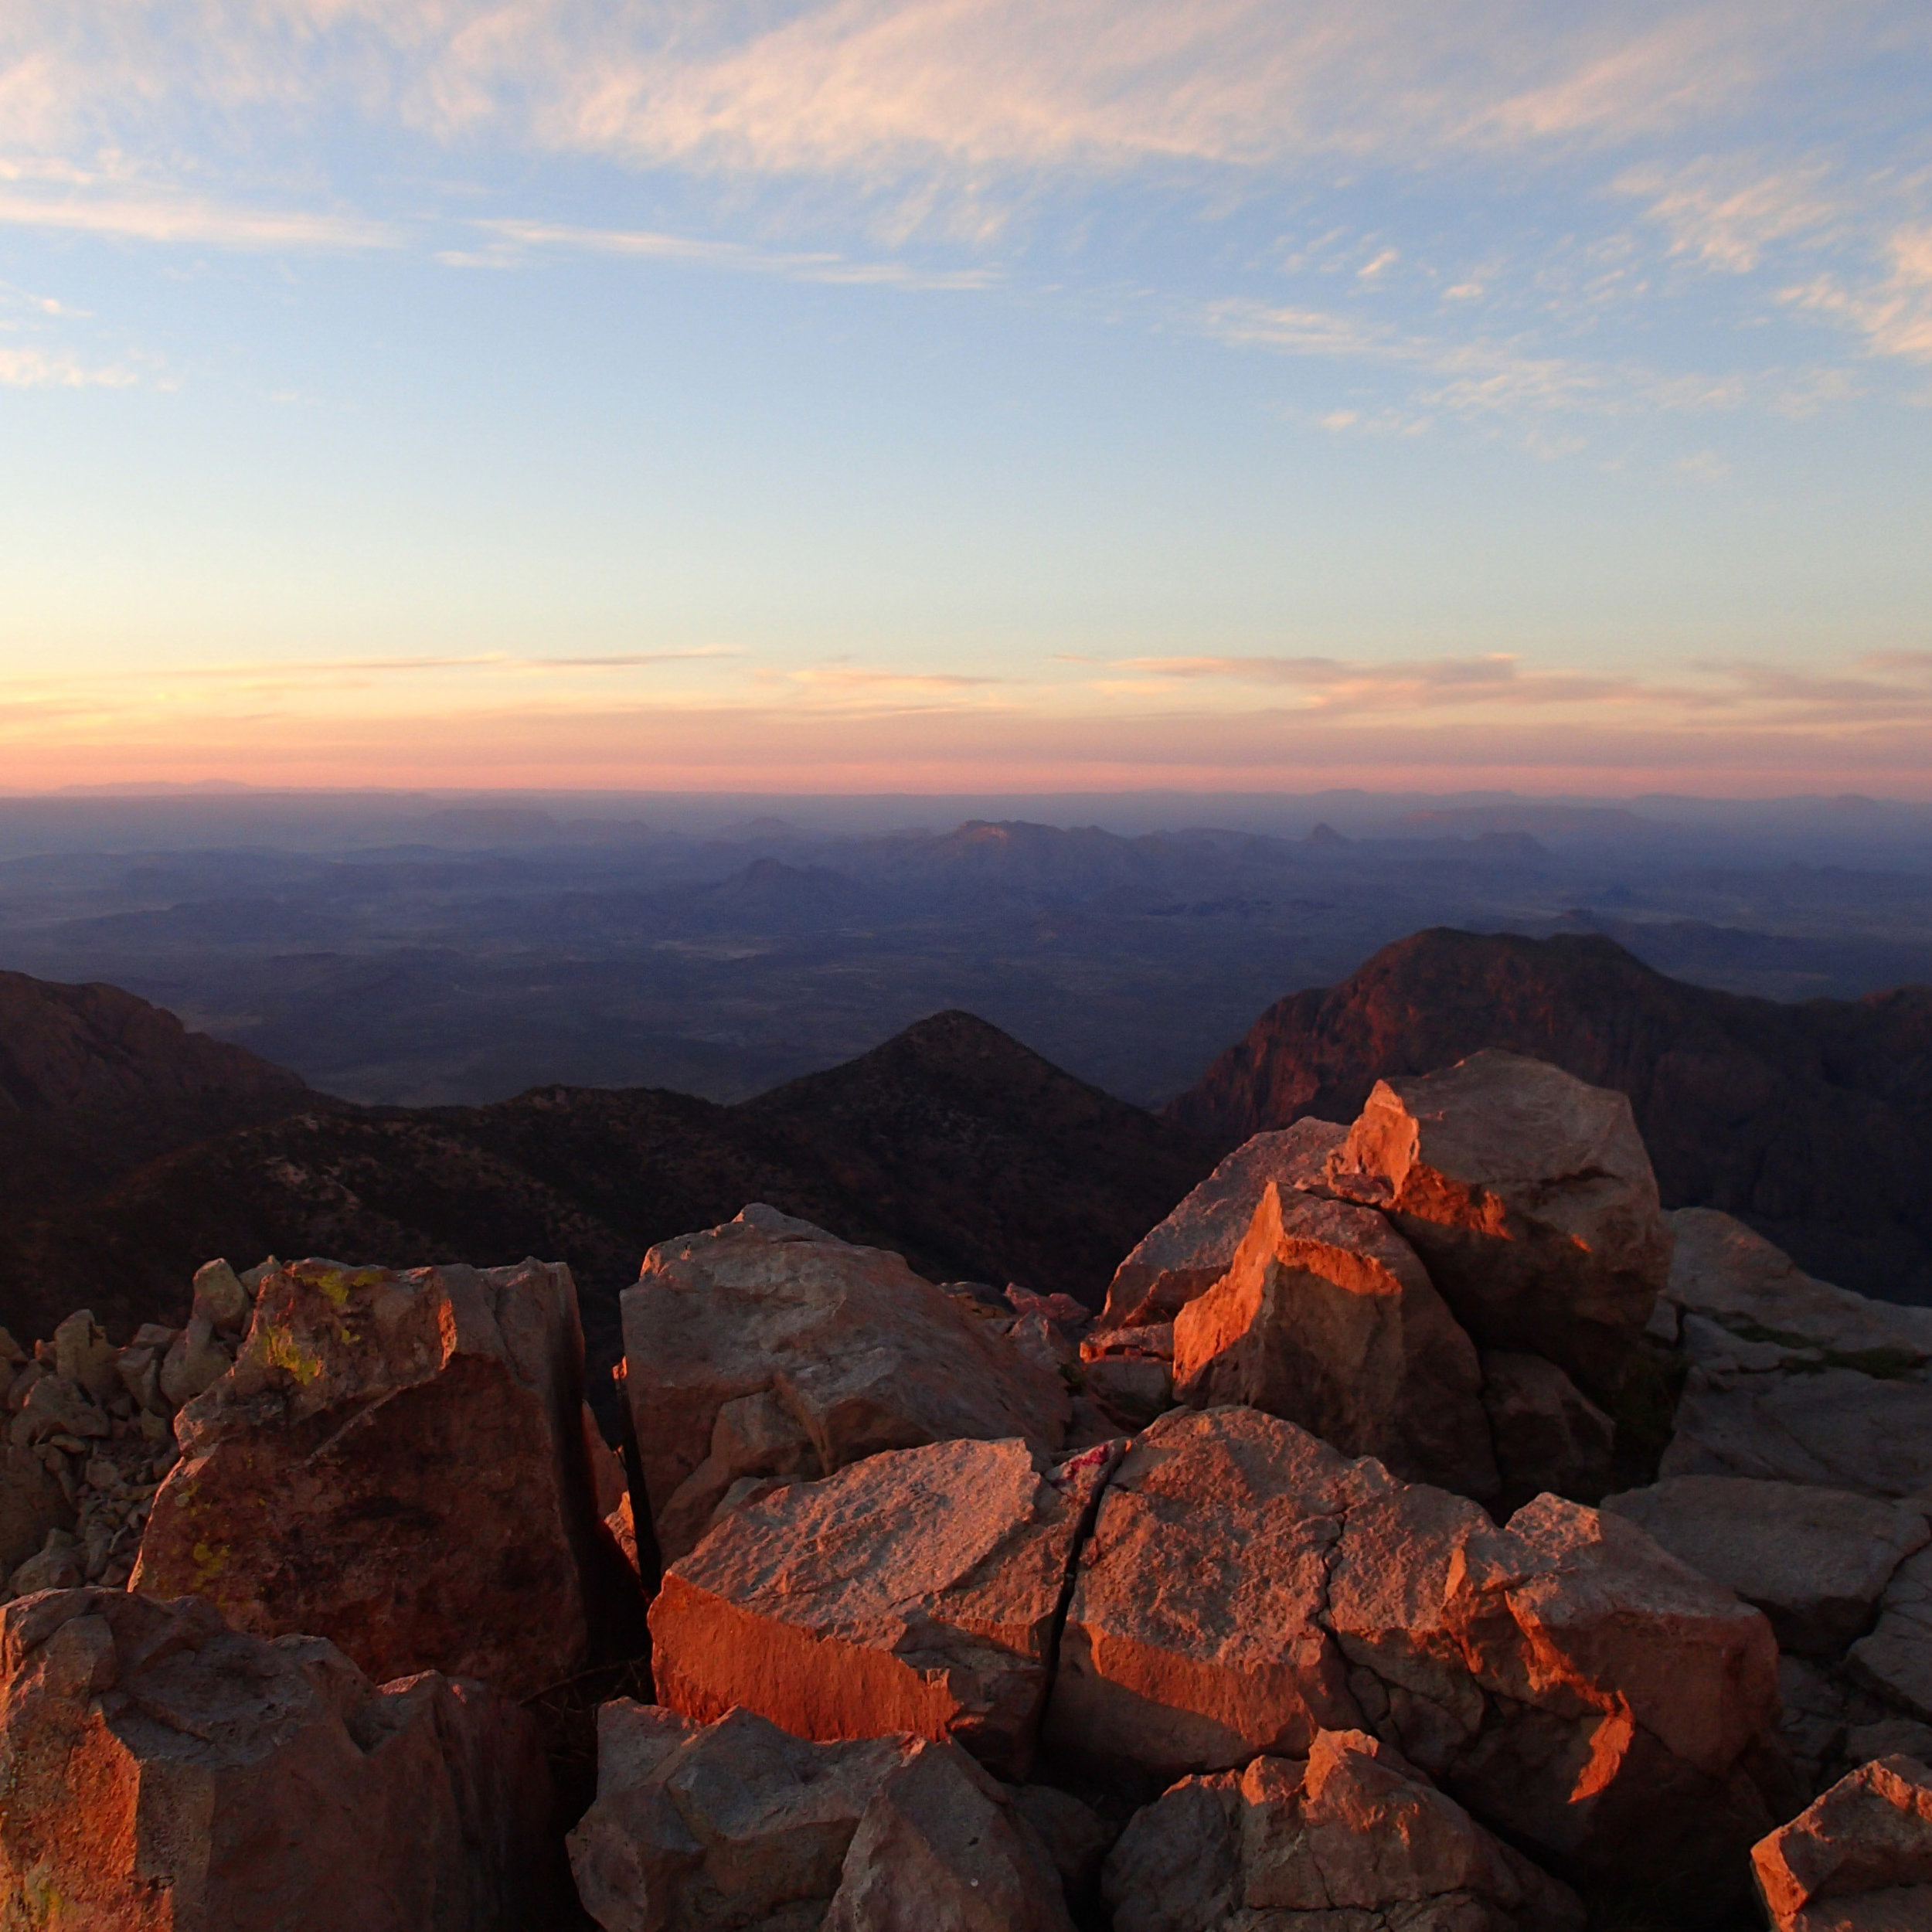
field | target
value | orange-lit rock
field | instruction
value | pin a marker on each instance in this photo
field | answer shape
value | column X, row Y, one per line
column 1185, row 1254
column 1355, row 1830
column 1529, row 1196
column 397, row 1462
column 1246, row 1587
column 840, row 1351
column 915, row 1591
column 1326, row 1318
column 1859, row 1860
column 164, row 1773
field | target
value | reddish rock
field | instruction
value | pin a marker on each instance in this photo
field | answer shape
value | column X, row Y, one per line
column 916, row 1591
column 1859, row 1860
column 1130, row 1390
column 1530, row 1197
column 1353, row 1830
column 1190, row 1251
column 1194, row 1638
column 1326, row 1318
column 738, row 1824
column 1548, row 1434
column 395, row 1462
column 852, row 1352
column 1568, row 1682
column 165, row 1773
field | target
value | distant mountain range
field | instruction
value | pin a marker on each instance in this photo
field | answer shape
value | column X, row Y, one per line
column 135, row 1150
column 1811, row 1121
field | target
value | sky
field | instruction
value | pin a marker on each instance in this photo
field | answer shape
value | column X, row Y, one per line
column 968, row 395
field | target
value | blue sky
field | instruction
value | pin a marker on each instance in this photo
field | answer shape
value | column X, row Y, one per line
column 962, row 394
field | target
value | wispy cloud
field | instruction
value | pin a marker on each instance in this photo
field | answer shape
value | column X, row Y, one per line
column 59, row 369
column 1892, row 310
column 1726, row 213
column 512, row 238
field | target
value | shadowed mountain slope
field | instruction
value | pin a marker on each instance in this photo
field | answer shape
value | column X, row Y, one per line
column 952, row 1144
column 1812, row 1122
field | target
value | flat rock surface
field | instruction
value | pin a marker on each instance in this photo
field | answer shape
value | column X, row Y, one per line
column 856, row 1353
column 1529, row 1196
column 1835, row 1429
column 1190, row 1250
column 166, row 1773
column 915, row 1591
column 395, row 1462
column 1326, row 1318
column 1816, row 1561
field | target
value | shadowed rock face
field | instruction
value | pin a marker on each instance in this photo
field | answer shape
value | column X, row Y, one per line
column 1355, row 1830
column 166, row 1773
column 1813, row 1123
column 397, row 1463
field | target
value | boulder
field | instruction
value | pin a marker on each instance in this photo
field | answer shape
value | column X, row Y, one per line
column 916, row 1591
column 32, row 1503
column 853, row 1353
column 1834, row 1428
column 1130, row 1390
column 729, row 1824
column 1353, row 1830
column 1565, row 1679
column 1730, row 1275
column 1529, row 1196
column 942, row 1845
column 1548, row 1434
column 83, row 1353
column 1896, row 1659
column 166, row 1773
column 1816, row 1561
column 397, row 1462
column 1188, row 1252
column 1326, row 1318
column 1859, row 1860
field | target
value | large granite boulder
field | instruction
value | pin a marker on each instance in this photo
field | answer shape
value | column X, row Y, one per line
column 164, row 1772
column 916, row 1591
column 738, row 1824
column 1354, row 1830
column 1529, row 1196
column 835, row 1353
column 1859, row 1860
column 1896, row 1659
column 1816, row 1561
column 1185, row 1254
column 396, row 1461
column 1246, row 1587
column 32, row 1502
column 1326, row 1318
column 1546, row 1433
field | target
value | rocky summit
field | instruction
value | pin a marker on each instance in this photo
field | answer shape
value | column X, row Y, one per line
column 1432, row 1533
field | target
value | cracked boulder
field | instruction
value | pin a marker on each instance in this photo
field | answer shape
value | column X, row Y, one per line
column 917, row 1590
column 1816, row 1561
column 166, row 1773
column 1353, row 1836
column 1185, row 1255
column 1859, row 1860
column 766, row 1348
column 1246, row 1587
column 1530, row 1199
column 1548, row 1434
column 1326, row 1319
column 397, row 1462
column 739, row 1824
